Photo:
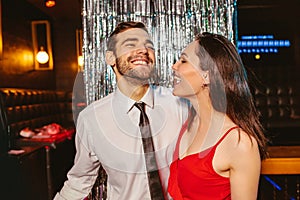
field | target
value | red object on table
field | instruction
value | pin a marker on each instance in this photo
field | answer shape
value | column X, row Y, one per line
column 48, row 141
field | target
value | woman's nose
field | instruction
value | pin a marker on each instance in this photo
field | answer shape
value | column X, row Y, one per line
column 174, row 66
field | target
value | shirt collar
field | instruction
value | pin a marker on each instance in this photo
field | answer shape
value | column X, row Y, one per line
column 124, row 104
column 148, row 98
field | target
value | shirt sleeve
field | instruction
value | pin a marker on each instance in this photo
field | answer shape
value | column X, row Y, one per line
column 84, row 172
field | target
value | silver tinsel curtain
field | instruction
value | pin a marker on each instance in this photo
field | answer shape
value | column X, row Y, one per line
column 172, row 25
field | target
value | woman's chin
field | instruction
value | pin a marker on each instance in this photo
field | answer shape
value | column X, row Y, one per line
column 176, row 92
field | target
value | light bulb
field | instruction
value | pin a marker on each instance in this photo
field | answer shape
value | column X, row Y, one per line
column 50, row 3
column 80, row 61
column 42, row 56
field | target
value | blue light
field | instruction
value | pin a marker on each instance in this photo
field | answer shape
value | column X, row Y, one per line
column 244, row 43
column 247, row 37
column 273, row 183
column 255, row 37
column 254, row 43
column 266, row 43
column 276, row 185
column 281, row 42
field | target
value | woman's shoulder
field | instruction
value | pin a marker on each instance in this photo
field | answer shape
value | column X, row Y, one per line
column 240, row 145
column 238, row 139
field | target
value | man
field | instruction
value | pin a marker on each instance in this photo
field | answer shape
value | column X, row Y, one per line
column 108, row 131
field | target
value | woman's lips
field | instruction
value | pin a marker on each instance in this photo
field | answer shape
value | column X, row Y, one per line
column 176, row 79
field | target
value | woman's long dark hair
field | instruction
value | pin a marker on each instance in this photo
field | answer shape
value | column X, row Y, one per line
column 229, row 90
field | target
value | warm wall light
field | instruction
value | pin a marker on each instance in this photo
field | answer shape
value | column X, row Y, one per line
column 41, row 37
column 42, row 56
column 1, row 41
column 50, row 3
column 80, row 61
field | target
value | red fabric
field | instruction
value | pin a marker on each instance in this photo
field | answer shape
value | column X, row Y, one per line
column 55, row 138
column 193, row 177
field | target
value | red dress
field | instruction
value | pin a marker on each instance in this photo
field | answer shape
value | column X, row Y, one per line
column 193, row 177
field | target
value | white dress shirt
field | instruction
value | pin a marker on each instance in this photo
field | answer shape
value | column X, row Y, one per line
column 108, row 134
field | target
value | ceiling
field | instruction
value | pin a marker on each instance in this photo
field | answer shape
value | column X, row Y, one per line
column 69, row 10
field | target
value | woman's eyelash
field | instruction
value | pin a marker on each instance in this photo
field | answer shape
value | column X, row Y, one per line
column 182, row 60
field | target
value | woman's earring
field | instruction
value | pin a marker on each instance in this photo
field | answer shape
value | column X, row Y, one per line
column 204, row 85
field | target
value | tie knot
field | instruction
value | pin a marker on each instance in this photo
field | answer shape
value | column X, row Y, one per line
column 140, row 106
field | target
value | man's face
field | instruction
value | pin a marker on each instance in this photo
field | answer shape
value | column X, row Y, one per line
column 135, row 56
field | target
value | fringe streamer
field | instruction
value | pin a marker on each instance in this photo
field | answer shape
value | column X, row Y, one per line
column 172, row 25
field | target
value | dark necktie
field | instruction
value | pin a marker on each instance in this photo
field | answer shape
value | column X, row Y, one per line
column 151, row 165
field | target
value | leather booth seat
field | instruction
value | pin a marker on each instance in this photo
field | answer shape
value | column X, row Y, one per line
column 21, row 108
column 40, row 171
column 280, row 113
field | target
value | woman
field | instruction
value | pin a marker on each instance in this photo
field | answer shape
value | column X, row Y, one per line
column 219, row 151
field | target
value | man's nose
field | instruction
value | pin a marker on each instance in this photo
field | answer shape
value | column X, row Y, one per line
column 142, row 49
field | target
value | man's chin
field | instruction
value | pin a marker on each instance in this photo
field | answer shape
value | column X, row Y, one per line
column 143, row 73
column 138, row 78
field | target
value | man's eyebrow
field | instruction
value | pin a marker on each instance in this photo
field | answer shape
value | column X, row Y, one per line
column 135, row 39
column 150, row 41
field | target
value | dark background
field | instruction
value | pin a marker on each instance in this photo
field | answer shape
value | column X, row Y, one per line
column 276, row 17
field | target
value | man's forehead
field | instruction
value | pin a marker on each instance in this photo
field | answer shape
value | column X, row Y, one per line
column 134, row 33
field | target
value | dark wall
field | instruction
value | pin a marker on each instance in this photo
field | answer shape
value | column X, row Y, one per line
column 275, row 76
column 17, row 63
column 278, row 18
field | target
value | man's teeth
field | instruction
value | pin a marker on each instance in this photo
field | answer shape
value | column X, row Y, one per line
column 139, row 62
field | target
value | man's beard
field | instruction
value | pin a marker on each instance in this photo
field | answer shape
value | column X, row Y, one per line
column 135, row 75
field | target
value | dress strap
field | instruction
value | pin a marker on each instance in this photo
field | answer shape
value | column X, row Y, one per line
column 227, row 132
column 183, row 129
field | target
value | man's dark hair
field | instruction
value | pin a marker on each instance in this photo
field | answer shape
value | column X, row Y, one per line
column 121, row 27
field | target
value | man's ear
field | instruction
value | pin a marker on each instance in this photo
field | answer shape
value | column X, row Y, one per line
column 110, row 58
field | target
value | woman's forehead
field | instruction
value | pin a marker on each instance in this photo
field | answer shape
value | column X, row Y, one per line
column 189, row 53
column 191, row 48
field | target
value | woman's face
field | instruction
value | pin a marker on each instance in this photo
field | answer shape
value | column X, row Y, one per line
column 188, row 76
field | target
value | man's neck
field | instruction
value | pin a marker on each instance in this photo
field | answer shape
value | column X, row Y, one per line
column 135, row 92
